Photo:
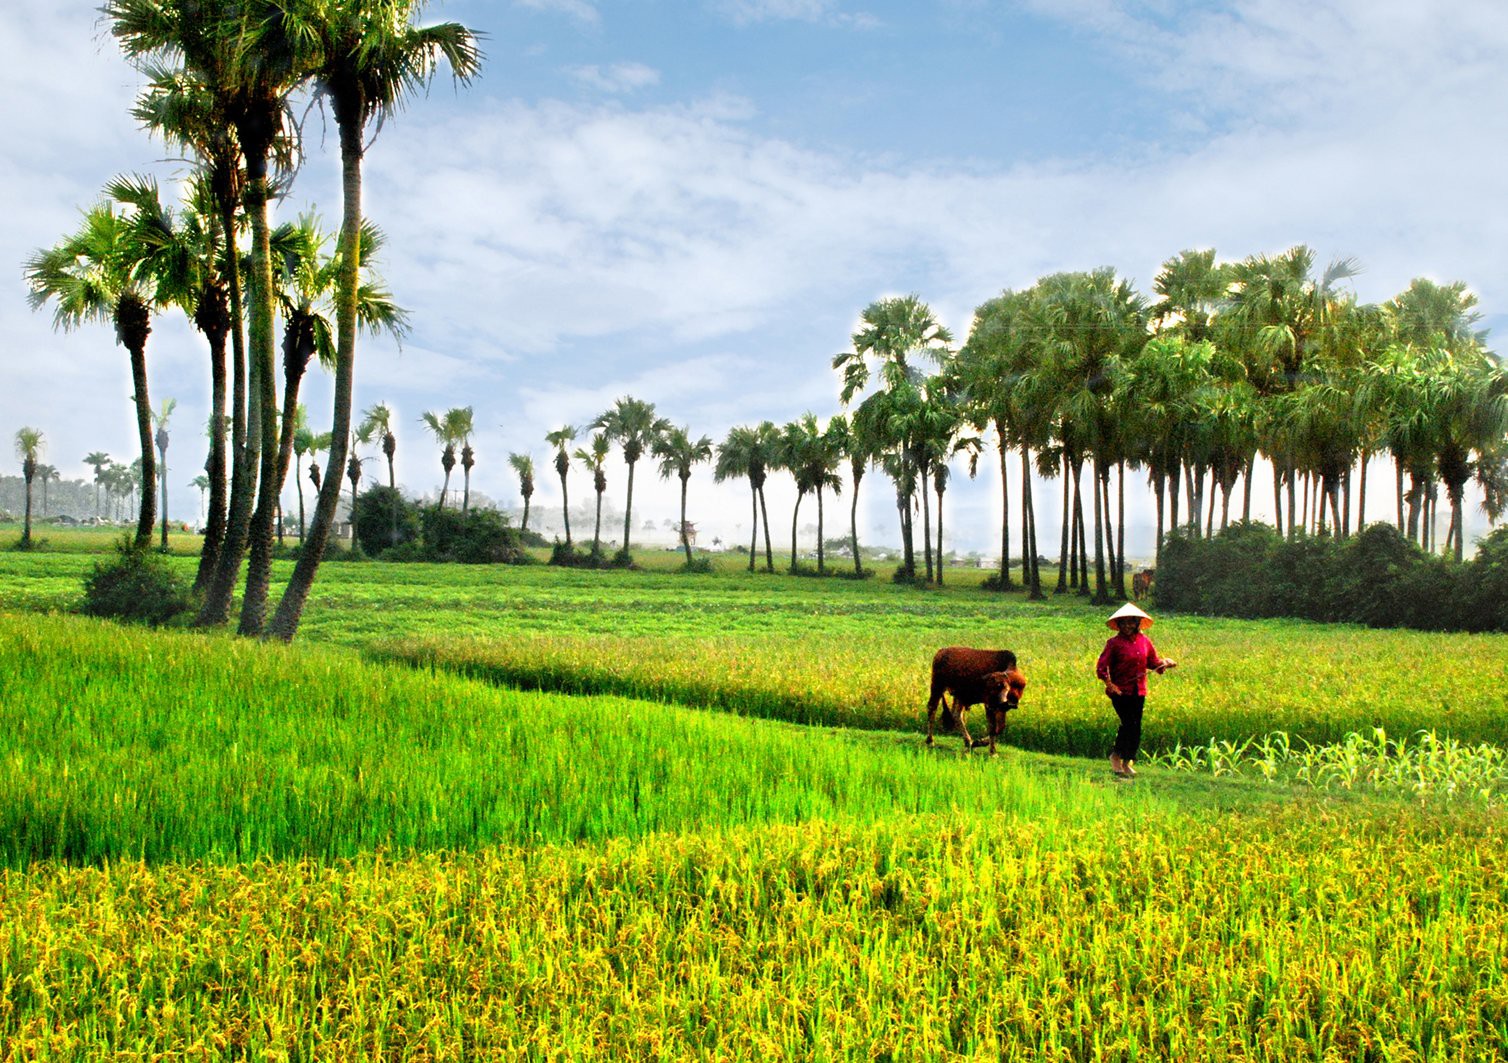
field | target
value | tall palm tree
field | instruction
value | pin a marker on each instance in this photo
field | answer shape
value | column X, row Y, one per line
column 523, row 464
column 595, row 459
column 811, row 457
column 748, row 451
column 634, row 426
column 377, row 421
column 444, row 428
column 367, row 59
column 191, row 54
column 678, row 452
column 98, row 274
column 893, row 331
column 160, row 437
column 1278, row 315
column 99, row 461
column 29, row 447
column 559, row 439
column 464, row 425
column 859, row 442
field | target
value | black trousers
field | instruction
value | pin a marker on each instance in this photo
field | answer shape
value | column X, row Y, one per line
column 1129, row 708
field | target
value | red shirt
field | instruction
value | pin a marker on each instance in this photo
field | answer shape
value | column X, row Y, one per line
column 1126, row 660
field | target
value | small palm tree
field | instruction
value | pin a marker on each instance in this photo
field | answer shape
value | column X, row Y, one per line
column 558, row 439
column 749, row 452
column 29, row 447
column 596, row 460
column 523, row 464
column 99, row 461
column 160, row 419
column 633, row 425
column 442, row 427
column 377, row 422
column 462, row 426
column 678, row 452
column 202, row 483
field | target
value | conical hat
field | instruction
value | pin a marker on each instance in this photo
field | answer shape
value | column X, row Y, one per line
column 1128, row 610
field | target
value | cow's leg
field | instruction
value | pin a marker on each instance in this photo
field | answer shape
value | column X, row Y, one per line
column 936, row 696
column 961, row 714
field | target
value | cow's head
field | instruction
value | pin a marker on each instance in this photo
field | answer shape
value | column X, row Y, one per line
column 1002, row 693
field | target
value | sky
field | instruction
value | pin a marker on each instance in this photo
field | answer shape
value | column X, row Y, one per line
column 692, row 201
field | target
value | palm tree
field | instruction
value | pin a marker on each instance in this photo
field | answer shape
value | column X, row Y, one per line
column 523, row 464
column 367, row 58
column 678, row 452
column 99, row 461
column 443, row 427
column 378, row 420
column 893, row 331
column 858, row 441
column 749, row 451
column 596, row 460
column 811, row 456
column 192, row 56
column 98, row 274
column 559, row 439
column 202, row 483
column 1278, row 315
column 462, row 427
column 303, row 443
column 29, row 447
column 160, row 419
column 632, row 424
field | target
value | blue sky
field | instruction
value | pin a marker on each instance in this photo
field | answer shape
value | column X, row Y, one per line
column 691, row 201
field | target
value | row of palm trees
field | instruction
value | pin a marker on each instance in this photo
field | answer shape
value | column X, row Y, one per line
column 222, row 78
column 1232, row 363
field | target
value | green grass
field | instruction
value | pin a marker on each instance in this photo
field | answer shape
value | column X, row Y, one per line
column 224, row 849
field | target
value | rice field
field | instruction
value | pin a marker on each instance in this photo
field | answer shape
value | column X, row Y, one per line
column 481, row 813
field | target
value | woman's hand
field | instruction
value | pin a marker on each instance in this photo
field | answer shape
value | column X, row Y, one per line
column 1111, row 689
column 1165, row 665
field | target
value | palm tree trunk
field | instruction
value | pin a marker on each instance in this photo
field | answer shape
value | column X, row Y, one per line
column 298, row 483
column 30, row 474
column 821, row 554
column 764, row 516
column 565, row 509
column 685, row 539
column 1120, row 531
column 222, row 582
column 1005, row 511
column 162, row 480
column 1251, row 464
column 1159, row 489
column 1173, row 483
column 940, row 490
column 1082, row 525
column 259, row 534
column 525, row 525
column 925, row 482
column 1029, row 530
column 1398, row 473
column 628, row 508
column 1101, row 591
column 597, row 531
column 853, row 524
column 1361, row 494
column 754, row 524
column 290, row 609
column 132, row 326
column 794, row 514
column 1063, row 557
column 1288, row 475
column 212, row 317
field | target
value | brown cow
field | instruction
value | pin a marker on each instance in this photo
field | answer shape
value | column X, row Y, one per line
column 973, row 677
column 1141, row 583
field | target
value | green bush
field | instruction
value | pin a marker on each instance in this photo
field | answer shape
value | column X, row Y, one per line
column 382, row 519
column 1377, row 577
column 477, row 537
column 138, row 586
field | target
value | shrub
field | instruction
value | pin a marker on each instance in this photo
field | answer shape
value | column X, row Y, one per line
column 382, row 519
column 1485, row 597
column 137, row 586
column 477, row 537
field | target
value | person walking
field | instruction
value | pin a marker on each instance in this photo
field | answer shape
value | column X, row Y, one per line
column 1123, row 667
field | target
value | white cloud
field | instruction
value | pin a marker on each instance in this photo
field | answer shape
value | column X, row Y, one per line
column 619, row 77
